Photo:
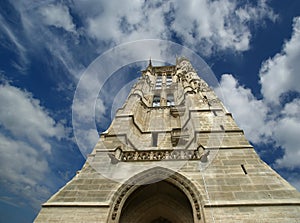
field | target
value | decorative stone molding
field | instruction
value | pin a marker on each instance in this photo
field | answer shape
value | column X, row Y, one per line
column 158, row 155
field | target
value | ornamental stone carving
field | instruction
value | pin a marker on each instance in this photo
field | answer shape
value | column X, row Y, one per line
column 158, row 155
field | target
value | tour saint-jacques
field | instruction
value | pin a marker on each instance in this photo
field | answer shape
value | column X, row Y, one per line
column 173, row 154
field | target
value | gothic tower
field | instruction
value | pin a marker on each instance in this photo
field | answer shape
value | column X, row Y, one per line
column 173, row 153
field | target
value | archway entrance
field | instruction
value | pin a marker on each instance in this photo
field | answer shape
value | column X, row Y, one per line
column 160, row 202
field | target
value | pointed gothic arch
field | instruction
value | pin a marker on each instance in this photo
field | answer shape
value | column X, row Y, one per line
column 170, row 191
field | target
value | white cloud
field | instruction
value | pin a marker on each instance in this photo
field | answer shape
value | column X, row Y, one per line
column 27, row 131
column 225, row 27
column 136, row 20
column 219, row 25
column 23, row 117
column 278, row 122
column 263, row 123
column 249, row 12
column 249, row 113
column 210, row 25
column 280, row 74
column 286, row 134
column 59, row 16
column 24, row 169
column 12, row 35
column 33, row 25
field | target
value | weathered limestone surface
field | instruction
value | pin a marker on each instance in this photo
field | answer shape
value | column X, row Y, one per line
column 173, row 154
column 73, row 214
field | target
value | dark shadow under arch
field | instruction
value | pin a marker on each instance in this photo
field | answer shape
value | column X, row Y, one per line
column 160, row 201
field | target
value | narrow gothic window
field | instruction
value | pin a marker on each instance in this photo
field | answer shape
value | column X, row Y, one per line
column 170, row 100
column 158, row 82
column 156, row 101
column 169, row 81
column 154, row 139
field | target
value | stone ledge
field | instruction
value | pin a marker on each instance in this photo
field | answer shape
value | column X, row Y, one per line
column 281, row 202
column 246, row 147
column 76, row 204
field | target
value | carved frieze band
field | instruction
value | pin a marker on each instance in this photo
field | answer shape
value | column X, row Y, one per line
column 158, row 155
column 161, row 155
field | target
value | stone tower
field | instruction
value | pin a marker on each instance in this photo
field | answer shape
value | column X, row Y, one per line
column 173, row 154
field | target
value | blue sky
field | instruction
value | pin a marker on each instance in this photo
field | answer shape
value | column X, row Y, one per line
column 253, row 48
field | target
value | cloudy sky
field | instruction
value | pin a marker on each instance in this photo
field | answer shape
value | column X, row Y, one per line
column 253, row 48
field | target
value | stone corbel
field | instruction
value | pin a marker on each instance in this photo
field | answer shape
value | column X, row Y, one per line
column 115, row 156
column 204, row 156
